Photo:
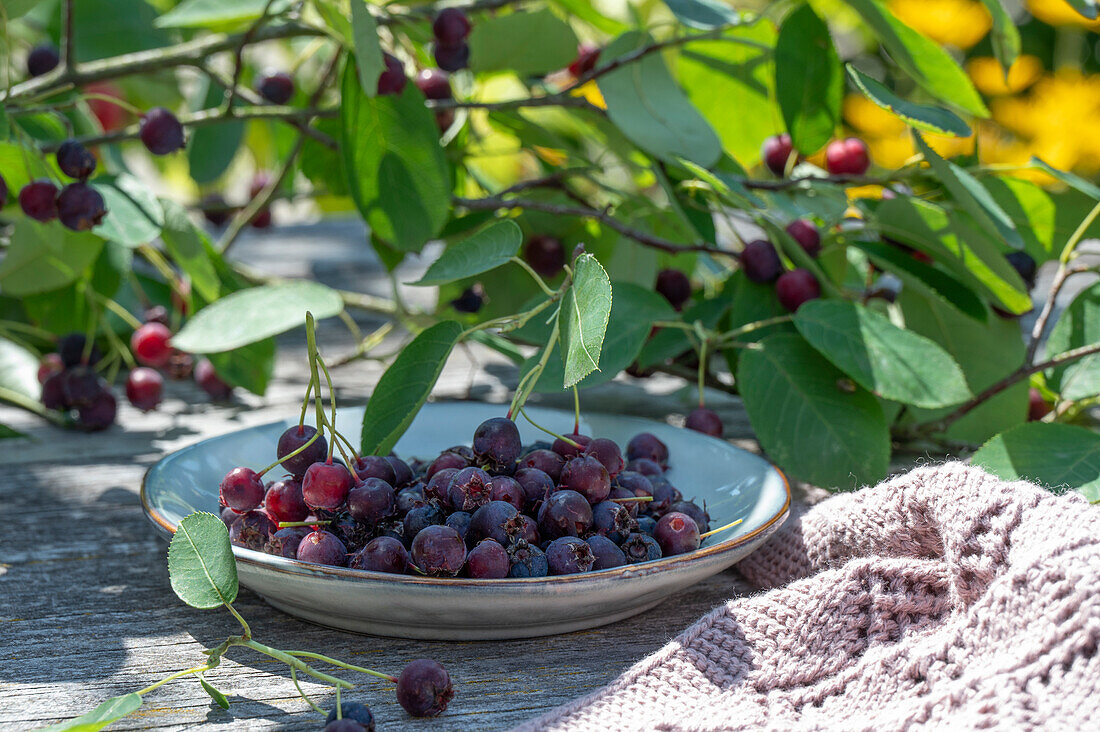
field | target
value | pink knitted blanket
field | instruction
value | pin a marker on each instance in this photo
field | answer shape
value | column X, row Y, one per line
column 945, row 598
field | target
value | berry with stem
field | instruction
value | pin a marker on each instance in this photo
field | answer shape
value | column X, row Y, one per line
column 299, row 441
column 381, row 554
column 806, row 234
column 706, row 421
column 847, row 157
column 497, row 445
column 776, row 153
column 438, row 551
column 241, row 489
column 677, row 533
column 325, row 485
column 42, row 59
column 392, row 80
column 151, row 344
column 322, row 547
column 587, row 56
column 75, row 160
column 452, row 57
column 80, row 207
column 451, row 26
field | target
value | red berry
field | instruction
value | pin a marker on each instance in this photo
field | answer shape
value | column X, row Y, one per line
column 144, row 387
column 38, row 199
column 760, row 261
column 51, row 364
column 434, row 84
column 706, row 421
column 80, row 207
column 161, row 132
column 451, row 26
column 392, row 80
column 675, row 286
column 806, row 234
column 277, row 87
column 296, row 437
column 587, row 55
column 796, row 287
column 150, row 344
column 110, row 116
column 283, row 501
column 777, row 150
column 322, row 547
column 326, row 485
column 209, row 381
column 1037, row 407
column 452, row 58
column 42, row 59
column 847, row 157
column 241, row 489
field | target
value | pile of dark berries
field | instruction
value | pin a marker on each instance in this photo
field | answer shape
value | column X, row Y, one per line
column 77, row 205
column 491, row 510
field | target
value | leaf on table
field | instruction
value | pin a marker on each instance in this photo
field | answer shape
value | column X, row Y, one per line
column 922, row 116
column 250, row 315
column 809, row 81
column 134, row 214
column 582, row 322
column 397, row 174
column 888, row 361
column 808, row 425
column 487, row 249
column 405, row 386
column 1050, row 454
column 103, row 715
column 45, row 257
column 201, row 566
column 368, row 54
column 704, row 14
column 217, row 696
column 646, row 104
column 525, row 43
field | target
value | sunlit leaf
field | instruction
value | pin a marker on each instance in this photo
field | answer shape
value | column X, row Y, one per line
column 585, row 310
column 201, row 566
column 1053, row 455
column 921, row 116
column 809, row 81
column 485, row 250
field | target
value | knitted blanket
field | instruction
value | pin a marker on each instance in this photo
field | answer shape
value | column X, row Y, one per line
column 942, row 599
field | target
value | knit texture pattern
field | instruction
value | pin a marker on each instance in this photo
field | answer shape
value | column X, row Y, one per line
column 945, row 598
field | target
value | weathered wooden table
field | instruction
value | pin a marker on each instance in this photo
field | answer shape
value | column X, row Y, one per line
column 86, row 611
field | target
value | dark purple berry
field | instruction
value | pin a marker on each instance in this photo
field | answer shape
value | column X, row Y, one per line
column 647, row 525
column 489, row 521
column 252, row 530
column 451, row 26
column 277, row 87
column 241, row 489
column 355, row 712
column 545, row 254
column 402, row 473
column 228, row 516
column 294, row 438
column 608, row 453
column 497, row 445
column 71, row 350
column 640, row 548
column 439, row 551
column 776, row 152
column 646, row 467
column 424, row 688
column 80, row 207
column 215, row 209
column 547, row 461
column 452, row 58
column 674, row 286
column 3, row 191
column 438, row 485
column 536, row 485
column 487, row 560
column 795, row 288
column 612, row 520
column 630, row 506
column 706, row 421
column 421, row 517
column 587, row 475
column 285, row 542
column 42, row 59
column 209, row 381
column 392, row 80
column 38, row 199
column 471, row 299
column 99, row 413
column 75, row 160
column 460, row 522
column 81, row 385
column 760, row 261
column 263, row 218
column 567, row 450
column 447, row 461
column 677, row 533
column 410, row 498
column 664, row 495
column 344, row 725
column 637, row 483
column 326, row 485
column 284, row 502
column 161, row 132
column 322, row 547
column 646, row 445
column 806, row 234
column 381, row 554
column 565, row 513
column 508, row 490
column 394, row 529
column 569, row 555
column 434, row 84
column 373, row 466
column 527, row 560
column 371, row 501
column 469, row 488
column 144, row 387
column 606, row 553
column 1024, row 266
column 698, row 515
column 522, row 526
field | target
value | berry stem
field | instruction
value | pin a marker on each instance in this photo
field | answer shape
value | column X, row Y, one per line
column 305, row 402
column 281, row 460
column 293, row 524
column 247, row 635
column 315, row 377
column 336, row 436
column 535, row 276
column 703, row 342
column 576, row 410
column 294, row 678
column 635, row 499
column 173, row 677
column 527, row 383
column 720, row 528
column 341, row 664
column 555, row 435
column 293, row 662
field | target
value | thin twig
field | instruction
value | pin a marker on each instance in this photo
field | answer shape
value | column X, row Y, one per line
column 238, row 57
column 68, row 59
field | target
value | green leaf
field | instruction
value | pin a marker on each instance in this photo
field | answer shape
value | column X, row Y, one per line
column 1077, row 326
column 809, row 81
column 805, row 421
column 18, row 370
column 585, row 310
column 20, row 165
column 201, row 567
column 17, row 8
column 732, row 85
column 216, row 695
column 921, row 116
column 526, row 43
column 671, row 342
column 704, row 14
column 368, row 54
column 970, row 195
column 1033, row 210
column 487, row 249
column 1050, row 454
column 336, row 20
column 1005, row 35
column 211, row 148
column 888, row 361
column 184, row 242
column 216, row 13
column 928, row 64
column 249, row 367
column 1071, row 180
column 111, row 28
column 1087, row 8
column 103, row 715
column 397, row 174
column 256, row 313
column 647, row 106
column 7, row 433
column 405, row 386
column 44, row 257
column 134, row 214
column 925, row 278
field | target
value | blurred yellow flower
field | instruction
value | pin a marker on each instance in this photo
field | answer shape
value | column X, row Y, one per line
column 958, row 23
column 989, row 77
column 1059, row 119
column 1059, row 12
column 869, row 118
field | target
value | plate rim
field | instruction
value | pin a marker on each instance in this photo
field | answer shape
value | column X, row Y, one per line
column 293, row 567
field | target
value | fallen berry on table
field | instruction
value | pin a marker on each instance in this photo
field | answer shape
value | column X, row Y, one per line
column 356, row 712
column 424, row 688
column 144, row 387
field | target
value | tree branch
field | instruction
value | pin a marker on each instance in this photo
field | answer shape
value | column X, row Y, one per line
column 553, row 100
column 67, row 42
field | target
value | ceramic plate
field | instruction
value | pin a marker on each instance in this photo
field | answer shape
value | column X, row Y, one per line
column 733, row 483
